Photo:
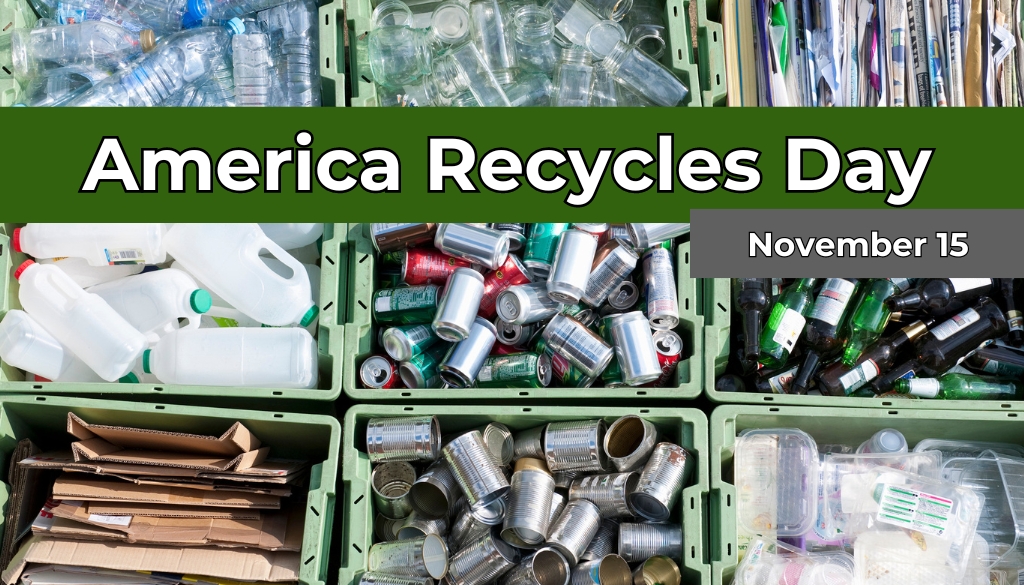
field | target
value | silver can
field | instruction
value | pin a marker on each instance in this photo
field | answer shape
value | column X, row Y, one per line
column 529, row 443
column 371, row 578
column 386, row 529
column 481, row 245
column 659, row 570
column 613, row 263
column 390, row 483
column 424, row 556
column 460, row 301
column 608, row 491
column 416, row 526
column 377, row 371
column 645, row 235
column 529, row 513
column 639, row 542
column 405, row 438
column 516, row 234
column 499, row 442
column 592, row 228
column 404, row 343
column 629, row 442
column 564, row 479
column 574, row 529
column 512, row 334
column 661, row 482
column 474, row 468
column 609, row 570
column 482, row 561
column 462, row 364
column 573, row 341
column 465, row 527
column 558, row 502
column 660, row 289
column 435, row 492
column 620, row 231
column 570, row 270
column 623, row 296
column 575, row 446
column 491, row 514
column 546, row 566
column 606, row 541
column 634, row 346
column 526, row 303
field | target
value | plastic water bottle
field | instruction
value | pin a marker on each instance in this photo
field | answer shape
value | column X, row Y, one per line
column 295, row 48
column 56, row 87
column 224, row 10
column 163, row 73
column 226, row 258
column 26, row 345
column 261, row 358
column 293, row 235
column 162, row 16
column 86, row 275
column 93, row 43
column 102, row 244
column 250, row 57
column 215, row 90
column 153, row 302
column 83, row 322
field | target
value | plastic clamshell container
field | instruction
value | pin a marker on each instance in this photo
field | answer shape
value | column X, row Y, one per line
column 361, row 341
column 967, row 449
column 43, row 419
column 686, row 427
column 1000, row 479
column 775, row 563
column 330, row 340
column 776, row 473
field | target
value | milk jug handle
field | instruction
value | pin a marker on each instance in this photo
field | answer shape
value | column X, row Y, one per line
column 298, row 270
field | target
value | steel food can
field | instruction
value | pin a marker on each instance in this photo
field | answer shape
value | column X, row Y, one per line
column 405, row 438
column 386, row 529
column 613, row 263
column 660, row 289
column 609, row 570
column 646, row 235
column 526, row 303
column 422, row 371
column 395, row 236
column 460, row 367
column 624, row 296
column 578, row 344
column 570, row 270
column 529, row 443
column 529, row 507
column 574, row 529
column 459, row 303
column 575, row 446
column 541, row 246
column 512, row 334
column 491, row 514
column 407, row 341
column 657, row 570
column 409, row 305
column 371, row 578
column 639, row 542
column 390, row 483
column 509, row 274
column 481, row 245
column 516, row 234
column 466, row 528
column 608, row 491
column 429, row 266
column 416, row 526
column 378, row 371
column 517, row 370
column 425, row 556
column 563, row 479
column 498, row 440
column 669, row 346
column 634, row 348
column 546, row 566
column 562, row 370
column 629, row 442
column 605, row 542
column 661, row 482
column 474, row 468
column 436, row 492
column 482, row 561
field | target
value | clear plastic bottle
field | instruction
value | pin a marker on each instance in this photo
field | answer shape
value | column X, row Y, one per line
column 530, row 89
column 641, row 74
column 83, row 322
column 492, row 34
column 224, row 10
column 163, row 73
column 162, row 16
column 233, row 356
column 102, row 244
column 26, row 345
column 155, row 301
column 225, row 257
column 884, row 441
column 251, row 64
column 573, row 79
column 93, row 43
column 56, row 87
column 535, row 44
column 217, row 89
column 463, row 69
column 605, row 93
column 296, row 51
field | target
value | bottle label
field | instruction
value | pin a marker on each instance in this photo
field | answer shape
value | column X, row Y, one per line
column 780, row 384
column 788, row 327
column 901, row 284
column 122, row 256
column 914, row 510
column 924, row 387
column 962, row 284
column 1015, row 320
column 832, row 300
column 956, row 323
column 859, row 376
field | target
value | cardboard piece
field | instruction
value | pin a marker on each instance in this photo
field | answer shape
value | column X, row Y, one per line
column 235, row 441
column 27, row 496
column 267, row 471
column 75, row 487
column 241, row 564
column 165, row 511
column 98, row 449
column 58, row 575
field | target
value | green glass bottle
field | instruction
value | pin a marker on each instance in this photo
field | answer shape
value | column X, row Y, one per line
column 786, row 323
column 870, row 316
column 958, row 387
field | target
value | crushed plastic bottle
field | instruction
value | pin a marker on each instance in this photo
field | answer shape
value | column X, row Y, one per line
column 55, row 87
column 94, row 44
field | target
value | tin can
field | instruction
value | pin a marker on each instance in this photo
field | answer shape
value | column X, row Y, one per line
column 386, row 529
column 498, row 440
column 395, row 236
column 629, row 442
column 669, row 346
column 512, row 334
column 660, row 289
column 378, row 371
column 526, row 303
column 607, row 491
column 429, row 266
column 594, row 229
column 613, row 263
column 458, row 306
column 540, row 247
column 612, row 375
column 509, row 274
column 646, row 235
column 460, row 367
column 574, row 529
column 661, row 482
column 578, row 344
column 435, row 493
column 490, row 514
column 516, row 234
column 575, row 446
column 529, row 508
column 562, row 370
column 407, row 341
column 624, row 296
column 390, row 483
column 529, row 443
column 474, row 468
column 605, row 542
column 558, row 499
column 405, row 438
column 609, row 570
column 638, row 542
column 426, row 556
column 480, row 245
column 517, row 370
column 482, row 561
column 466, row 528
column 564, row 479
column 570, row 270
column 405, row 305
column 546, row 566
column 634, row 348
column 422, row 371
column 657, row 570
column 371, row 578
column 416, row 526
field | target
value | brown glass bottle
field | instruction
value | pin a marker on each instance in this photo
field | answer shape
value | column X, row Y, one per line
column 840, row 380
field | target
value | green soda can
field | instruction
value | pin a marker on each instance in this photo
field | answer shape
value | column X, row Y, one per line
column 389, row 276
column 515, row 370
column 561, row 370
column 407, row 341
column 406, row 305
column 541, row 246
column 421, row 371
column 393, row 257
column 612, row 375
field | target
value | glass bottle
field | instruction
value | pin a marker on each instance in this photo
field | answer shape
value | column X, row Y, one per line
column 871, row 315
column 398, row 55
column 492, row 33
column 839, row 379
column 751, row 297
column 391, row 13
column 1014, row 318
column 573, row 78
column 535, row 45
column 641, row 74
column 530, row 89
column 465, row 100
column 941, row 296
column 786, row 322
column 958, row 387
column 605, row 93
column 93, row 44
column 463, row 69
column 450, row 23
column 776, row 382
column 730, row 383
column 822, row 331
column 645, row 27
column 998, row 360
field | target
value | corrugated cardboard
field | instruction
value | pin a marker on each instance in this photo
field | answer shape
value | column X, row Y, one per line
column 165, row 511
column 235, row 441
column 29, row 490
column 81, row 487
column 58, row 575
column 243, row 564
column 98, row 449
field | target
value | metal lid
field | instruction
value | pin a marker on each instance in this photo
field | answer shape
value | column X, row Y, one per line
column 668, row 343
column 376, row 372
column 544, row 370
column 396, row 343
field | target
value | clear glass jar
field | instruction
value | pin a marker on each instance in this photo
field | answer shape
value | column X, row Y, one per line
column 398, row 55
column 574, row 76
column 535, row 45
column 605, row 93
column 530, row 89
column 465, row 100
column 450, row 23
column 463, row 69
column 582, row 25
column 641, row 74
column 391, row 13
column 645, row 27
column 492, row 34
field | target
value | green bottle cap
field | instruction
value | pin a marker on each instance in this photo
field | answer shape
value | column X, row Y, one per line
column 309, row 316
column 145, row 361
column 201, row 301
column 130, row 378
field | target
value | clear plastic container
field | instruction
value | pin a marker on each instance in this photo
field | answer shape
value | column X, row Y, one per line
column 26, row 345
column 885, row 441
column 293, row 235
column 774, row 563
column 776, row 475
column 970, row 449
column 1000, row 479
column 86, row 275
column 154, row 302
column 102, row 244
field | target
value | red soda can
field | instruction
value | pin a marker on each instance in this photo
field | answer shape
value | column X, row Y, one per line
column 502, row 349
column 509, row 274
column 669, row 346
column 379, row 371
column 428, row 266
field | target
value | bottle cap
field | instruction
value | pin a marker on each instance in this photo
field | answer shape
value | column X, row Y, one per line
column 200, row 301
column 24, row 266
column 309, row 316
column 147, row 39
column 890, row 441
column 16, row 240
column 197, row 9
column 145, row 361
column 235, row 25
column 129, row 378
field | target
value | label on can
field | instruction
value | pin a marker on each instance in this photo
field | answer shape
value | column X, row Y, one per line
column 859, row 376
column 788, row 325
column 123, row 256
column 962, row 284
column 907, row 508
column 956, row 323
column 780, row 384
column 608, row 274
column 660, row 286
column 576, row 340
column 400, row 299
column 924, row 387
column 832, row 300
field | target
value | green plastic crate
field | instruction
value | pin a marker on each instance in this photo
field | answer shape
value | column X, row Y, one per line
column 361, row 342
column 330, row 340
column 687, row 427
column 316, row 438
column 705, row 78
column 14, row 14
column 718, row 336
column 827, row 425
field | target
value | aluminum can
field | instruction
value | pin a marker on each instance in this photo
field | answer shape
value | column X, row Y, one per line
column 570, row 270
column 634, row 348
column 594, row 229
column 436, row 492
column 619, row 231
column 429, row 266
column 669, row 346
column 517, row 370
column 629, row 442
column 378, row 371
column 562, row 371
column 458, row 306
column 460, row 367
column 474, row 468
column 404, row 438
column 516, row 234
column 482, row 561
column 575, row 446
column 395, row 236
column 613, row 263
column 660, row 289
column 624, row 296
column 608, row 570
column 509, row 274
column 526, row 303
column 407, row 341
column 646, row 235
column 422, row 370
column 546, row 566
column 575, row 342
column 612, row 375
column 529, row 509
column 481, row 245
column 540, row 247
column 574, row 529
column 511, row 334
column 390, row 483
column 639, row 542
column 608, row 491
column 405, row 305
column 661, row 482
column 426, row 556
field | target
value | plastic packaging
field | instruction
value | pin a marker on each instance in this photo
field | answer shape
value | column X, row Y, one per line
column 885, row 441
column 154, row 302
column 252, row 66
column 55, row 87
column 296, row 42
column 26, row 345
column 293, row 235
column 102, row 244
column 970, row 449
column 776, row 475
column 1000, row 480
column 86, row 275
column 95, row 44
column 775, row 563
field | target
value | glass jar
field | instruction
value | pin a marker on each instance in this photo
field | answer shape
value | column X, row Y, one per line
column 535, row 45
column 639, row 73
column 574, row 76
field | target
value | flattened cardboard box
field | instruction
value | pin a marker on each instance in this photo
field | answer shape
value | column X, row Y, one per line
column 71, row 487
column 169, row 511
column 266, row 471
